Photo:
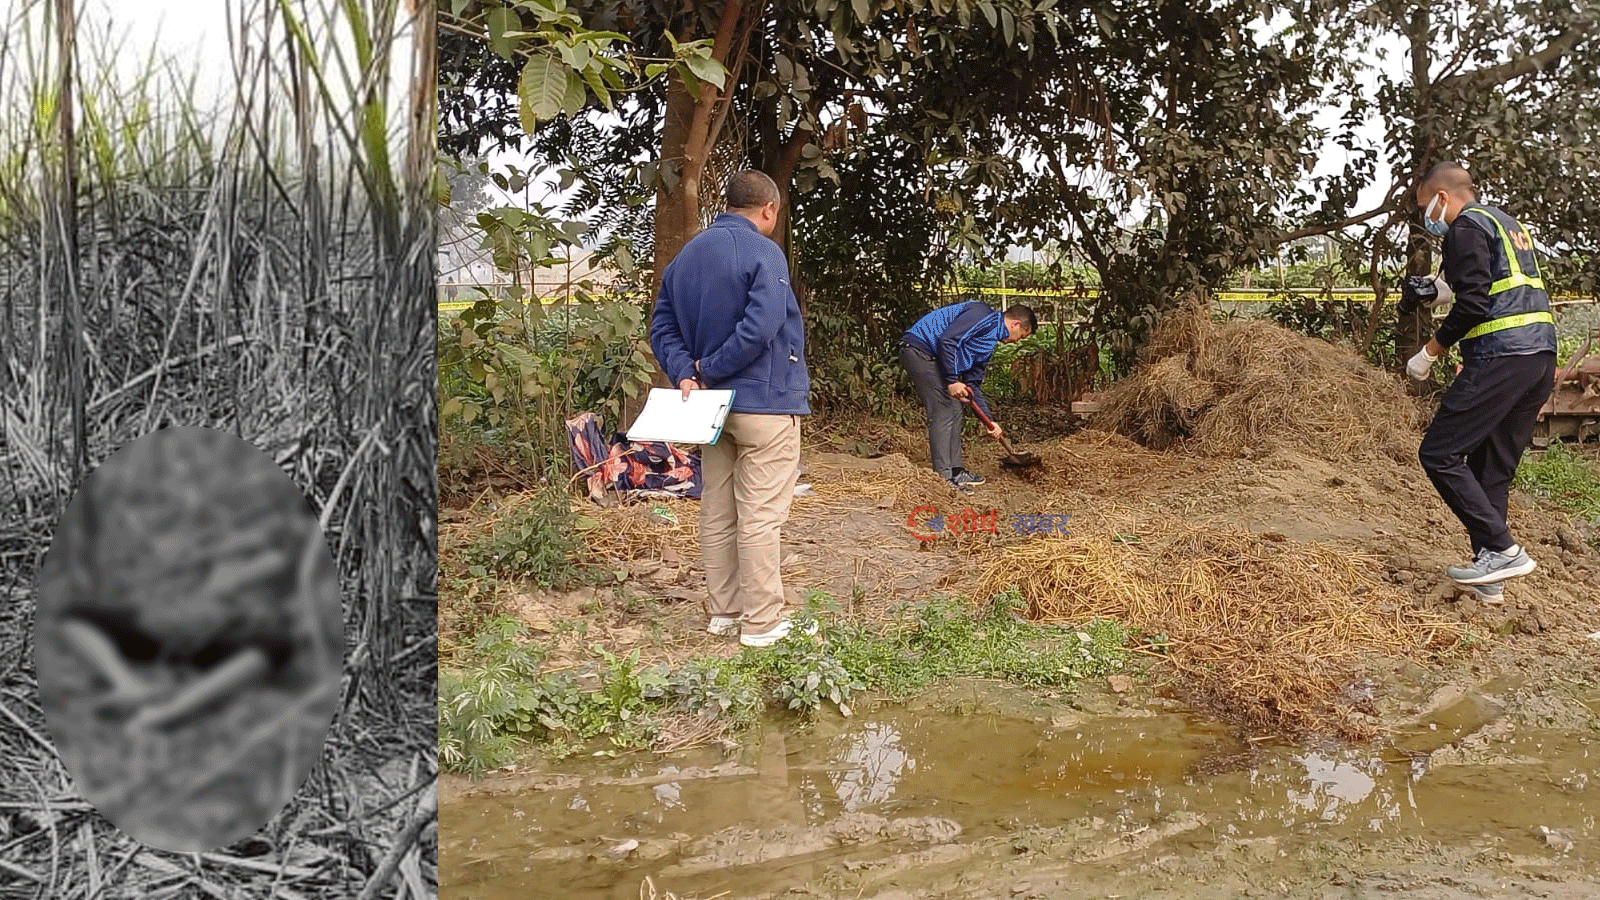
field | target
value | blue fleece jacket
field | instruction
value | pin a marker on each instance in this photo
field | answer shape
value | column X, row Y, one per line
column 725, row 301
column 962, row 337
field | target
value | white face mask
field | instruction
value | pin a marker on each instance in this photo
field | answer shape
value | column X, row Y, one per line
column 1435, row 226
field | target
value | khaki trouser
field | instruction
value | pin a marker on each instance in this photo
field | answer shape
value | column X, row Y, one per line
column 748, row 482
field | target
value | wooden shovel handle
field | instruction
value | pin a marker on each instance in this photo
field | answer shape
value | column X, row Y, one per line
column 989, row 422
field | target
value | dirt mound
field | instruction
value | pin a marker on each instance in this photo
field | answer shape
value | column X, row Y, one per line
column 1266, row 631
column 1242, row 387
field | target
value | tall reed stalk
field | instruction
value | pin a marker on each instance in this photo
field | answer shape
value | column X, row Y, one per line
column 264, row 266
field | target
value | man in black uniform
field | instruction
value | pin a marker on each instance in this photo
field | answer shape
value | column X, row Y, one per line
column 1501, row 317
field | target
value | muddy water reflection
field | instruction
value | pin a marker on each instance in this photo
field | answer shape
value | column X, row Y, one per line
column 807, row 803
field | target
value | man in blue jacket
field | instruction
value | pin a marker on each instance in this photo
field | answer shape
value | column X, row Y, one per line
column 1501, row 318
column 726, row 318
column 946, row 353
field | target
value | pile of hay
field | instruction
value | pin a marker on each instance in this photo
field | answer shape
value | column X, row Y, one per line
column 1245, row 386
column 1264, row 631
column 896, row 486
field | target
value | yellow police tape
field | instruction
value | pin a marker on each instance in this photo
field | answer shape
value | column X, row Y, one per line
column 1249, row 296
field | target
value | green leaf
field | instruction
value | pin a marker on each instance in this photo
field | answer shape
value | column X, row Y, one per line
column 863, row 10
column 542, row 90
column 576, row 95
column 707, row 69
column 989, row 12
column 500, row 21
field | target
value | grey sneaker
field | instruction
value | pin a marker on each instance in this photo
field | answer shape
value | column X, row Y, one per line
column 1493, row 567
column 969, row 478
column 1489, row 594
column 959, row 485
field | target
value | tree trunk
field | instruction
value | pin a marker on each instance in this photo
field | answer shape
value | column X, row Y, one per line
column 677, row 202
column 1414, row 329
column 781, row 167
column 689, row 133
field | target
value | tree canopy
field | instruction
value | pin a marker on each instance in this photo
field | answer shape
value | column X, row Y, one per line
column 1165, row 143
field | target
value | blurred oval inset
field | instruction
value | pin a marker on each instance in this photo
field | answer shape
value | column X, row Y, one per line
column 188, row 638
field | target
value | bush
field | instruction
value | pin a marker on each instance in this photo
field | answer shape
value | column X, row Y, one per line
column 512, row 373
column 535, row 538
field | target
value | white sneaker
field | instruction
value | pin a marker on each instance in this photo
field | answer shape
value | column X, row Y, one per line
column 723, row 626
column 778, row 633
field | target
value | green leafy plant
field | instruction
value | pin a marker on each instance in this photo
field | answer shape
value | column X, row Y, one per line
column 716, row 688
column 535, row 539
column 1565, row 479
column 493, row 697
column 488, row 698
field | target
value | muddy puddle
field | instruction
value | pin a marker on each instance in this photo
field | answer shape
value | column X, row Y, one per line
column 908, row 790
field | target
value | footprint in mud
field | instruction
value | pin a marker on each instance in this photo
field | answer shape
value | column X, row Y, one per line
column 188, row 638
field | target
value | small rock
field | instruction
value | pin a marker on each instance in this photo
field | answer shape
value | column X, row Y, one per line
column 1120, row 683
column 1556, row 839
column 1021, row 887
column 1570, row 540
column 622, row 850
column 885, row 502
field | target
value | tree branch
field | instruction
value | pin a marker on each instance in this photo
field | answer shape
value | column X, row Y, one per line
column 1341, row 224
column 1559, row 46
column 1091, row 246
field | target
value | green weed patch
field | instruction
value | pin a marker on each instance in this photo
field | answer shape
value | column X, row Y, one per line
column 494, row 700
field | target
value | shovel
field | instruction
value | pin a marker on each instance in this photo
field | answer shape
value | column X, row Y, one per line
column 1012, row 459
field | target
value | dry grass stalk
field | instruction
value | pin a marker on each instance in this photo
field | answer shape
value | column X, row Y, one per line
column 647, row 891
column 1268, row 632
column 1241, row 387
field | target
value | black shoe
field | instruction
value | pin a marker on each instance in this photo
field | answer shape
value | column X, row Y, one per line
column 969, row 478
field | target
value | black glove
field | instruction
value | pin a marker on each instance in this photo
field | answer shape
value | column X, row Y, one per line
column 1416, row 291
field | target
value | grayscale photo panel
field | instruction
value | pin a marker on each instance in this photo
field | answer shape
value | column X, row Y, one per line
column 218, row 500
column 188, row 639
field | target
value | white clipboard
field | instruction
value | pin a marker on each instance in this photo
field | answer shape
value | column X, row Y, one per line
column 667, row 416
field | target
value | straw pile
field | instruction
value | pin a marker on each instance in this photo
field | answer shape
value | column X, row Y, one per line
column 1264, row 631
column 638, row 530
column 1243, row 386
column 897, row 486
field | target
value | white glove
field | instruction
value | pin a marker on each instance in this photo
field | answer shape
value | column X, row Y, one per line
column 1446, row 295
column 1417, row 367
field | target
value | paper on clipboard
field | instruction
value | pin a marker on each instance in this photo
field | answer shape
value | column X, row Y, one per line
column 669, row 417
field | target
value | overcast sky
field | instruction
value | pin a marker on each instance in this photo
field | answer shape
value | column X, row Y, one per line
column 193, row 35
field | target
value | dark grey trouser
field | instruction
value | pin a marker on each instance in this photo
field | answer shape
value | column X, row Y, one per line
column 1471, row 449
column 944, row 411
